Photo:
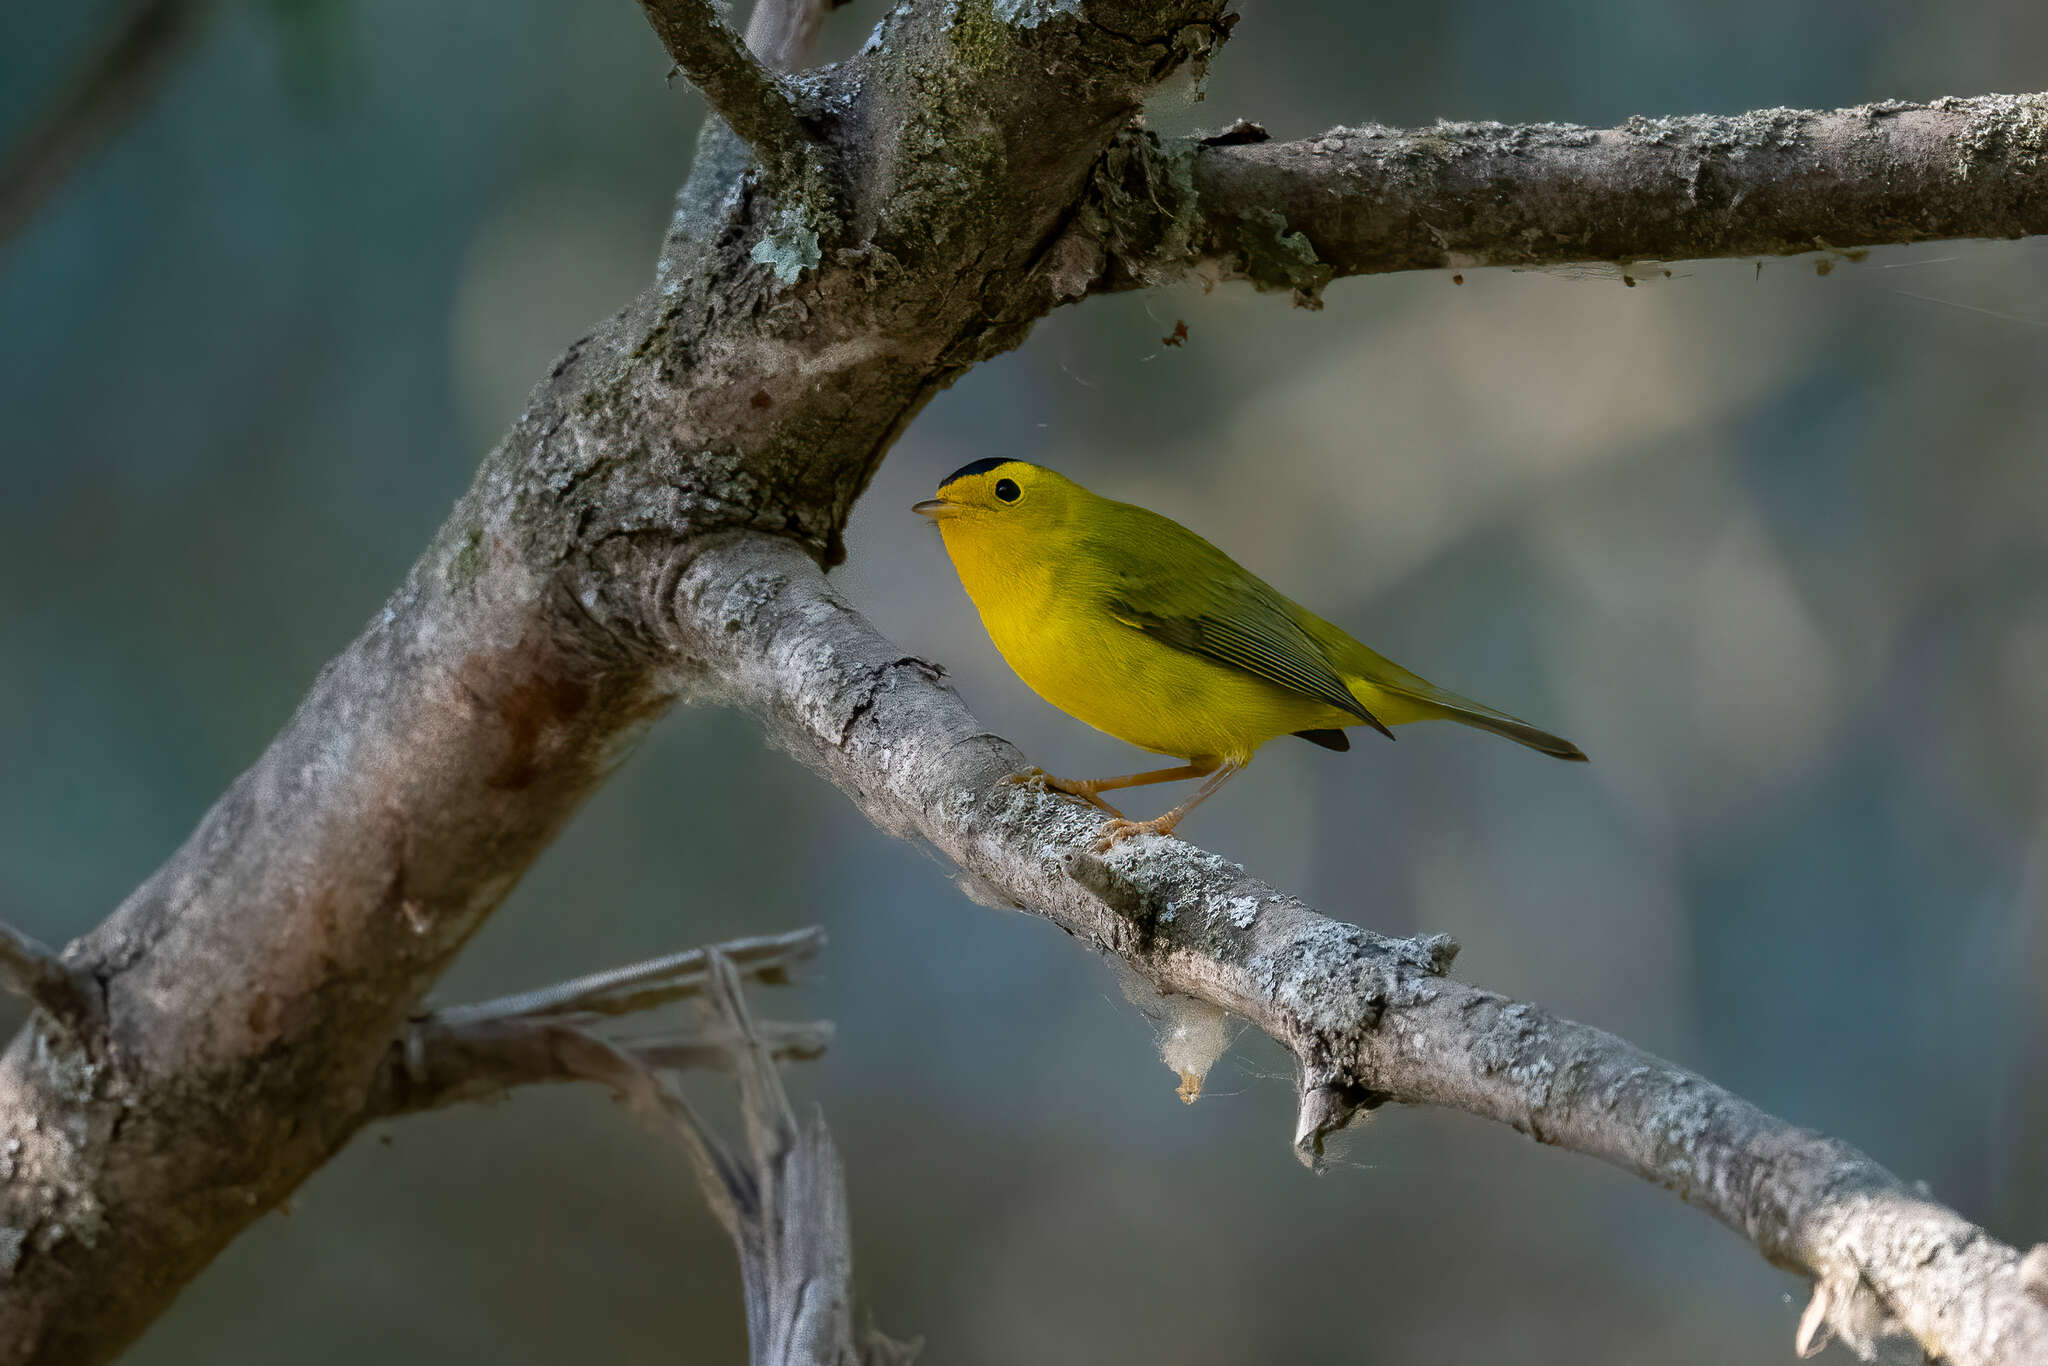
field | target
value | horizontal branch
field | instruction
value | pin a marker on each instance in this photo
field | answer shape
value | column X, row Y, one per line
column 751, row 99
column 1368, row 1019
column 1357, row 201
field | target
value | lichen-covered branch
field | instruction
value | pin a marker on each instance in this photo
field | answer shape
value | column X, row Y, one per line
column 1368, row 1019
column 1358, row 201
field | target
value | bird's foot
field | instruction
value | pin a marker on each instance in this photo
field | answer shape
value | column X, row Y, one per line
column 1117, row 831
column 1038, row 780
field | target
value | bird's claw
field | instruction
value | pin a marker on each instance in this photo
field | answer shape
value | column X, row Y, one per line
column 1035, row 778
column 1117, row 831
column 1038, row 780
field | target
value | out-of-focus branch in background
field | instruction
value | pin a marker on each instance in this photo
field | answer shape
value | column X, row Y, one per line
column 122, row 73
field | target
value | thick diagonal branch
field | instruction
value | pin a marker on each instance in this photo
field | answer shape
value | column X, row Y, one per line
column 1368, row 1019
column 1358, row 201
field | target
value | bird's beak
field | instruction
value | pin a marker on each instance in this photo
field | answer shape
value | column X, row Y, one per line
column 938, row 509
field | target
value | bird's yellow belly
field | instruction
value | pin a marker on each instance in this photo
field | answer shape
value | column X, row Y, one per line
column 1149, row 694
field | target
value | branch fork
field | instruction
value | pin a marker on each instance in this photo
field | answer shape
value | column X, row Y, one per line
column 758, row 105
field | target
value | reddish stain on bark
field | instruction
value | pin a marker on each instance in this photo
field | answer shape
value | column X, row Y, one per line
column 265, row 1017
column 533, row 703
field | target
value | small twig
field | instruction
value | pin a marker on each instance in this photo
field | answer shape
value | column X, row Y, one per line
column 783, row 1200
column 642, row 986
column 109, row 88
column 751, row 99
column 32, row 969
column 433, row 1068
column 478, row 1052
column 784, row 1203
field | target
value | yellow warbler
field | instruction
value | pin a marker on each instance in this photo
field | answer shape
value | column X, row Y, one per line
column 1129, row 621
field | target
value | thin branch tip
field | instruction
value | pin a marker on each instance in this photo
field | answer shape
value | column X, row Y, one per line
column 480, row 1051
column 1325, row 1110
column 755, row 103
column 33, row 970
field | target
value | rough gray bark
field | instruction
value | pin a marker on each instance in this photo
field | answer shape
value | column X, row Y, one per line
column 653, row 524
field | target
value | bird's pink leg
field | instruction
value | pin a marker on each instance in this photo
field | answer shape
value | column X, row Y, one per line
column 1090, row 789
column 1119, row 830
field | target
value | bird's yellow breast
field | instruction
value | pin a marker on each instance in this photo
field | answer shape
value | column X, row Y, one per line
column 1052, row 623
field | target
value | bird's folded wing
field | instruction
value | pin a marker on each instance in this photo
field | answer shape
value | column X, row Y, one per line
column 1242, row 629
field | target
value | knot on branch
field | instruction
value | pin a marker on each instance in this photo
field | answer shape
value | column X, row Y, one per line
column 1846, row 1307
column 1326, row 1107
column 1147, row 219
column 2034, row 1272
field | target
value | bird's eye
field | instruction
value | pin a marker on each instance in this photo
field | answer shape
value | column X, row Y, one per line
column 1007, row 490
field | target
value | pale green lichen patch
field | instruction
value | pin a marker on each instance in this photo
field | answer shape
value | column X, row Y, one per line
column 1279, row 257
column 790, row 247
column 468, row 560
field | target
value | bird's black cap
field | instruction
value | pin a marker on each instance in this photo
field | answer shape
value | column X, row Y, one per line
column 975, row 467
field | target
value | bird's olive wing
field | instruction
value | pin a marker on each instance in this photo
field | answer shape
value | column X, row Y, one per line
column 1245, row 631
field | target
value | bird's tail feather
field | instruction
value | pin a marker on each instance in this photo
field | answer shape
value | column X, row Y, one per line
column 1424, row 701
column 1500, row 723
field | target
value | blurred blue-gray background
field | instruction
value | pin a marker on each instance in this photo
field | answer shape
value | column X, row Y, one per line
column 1772, row 546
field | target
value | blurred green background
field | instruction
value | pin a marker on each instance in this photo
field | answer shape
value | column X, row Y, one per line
column 1772, row 547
